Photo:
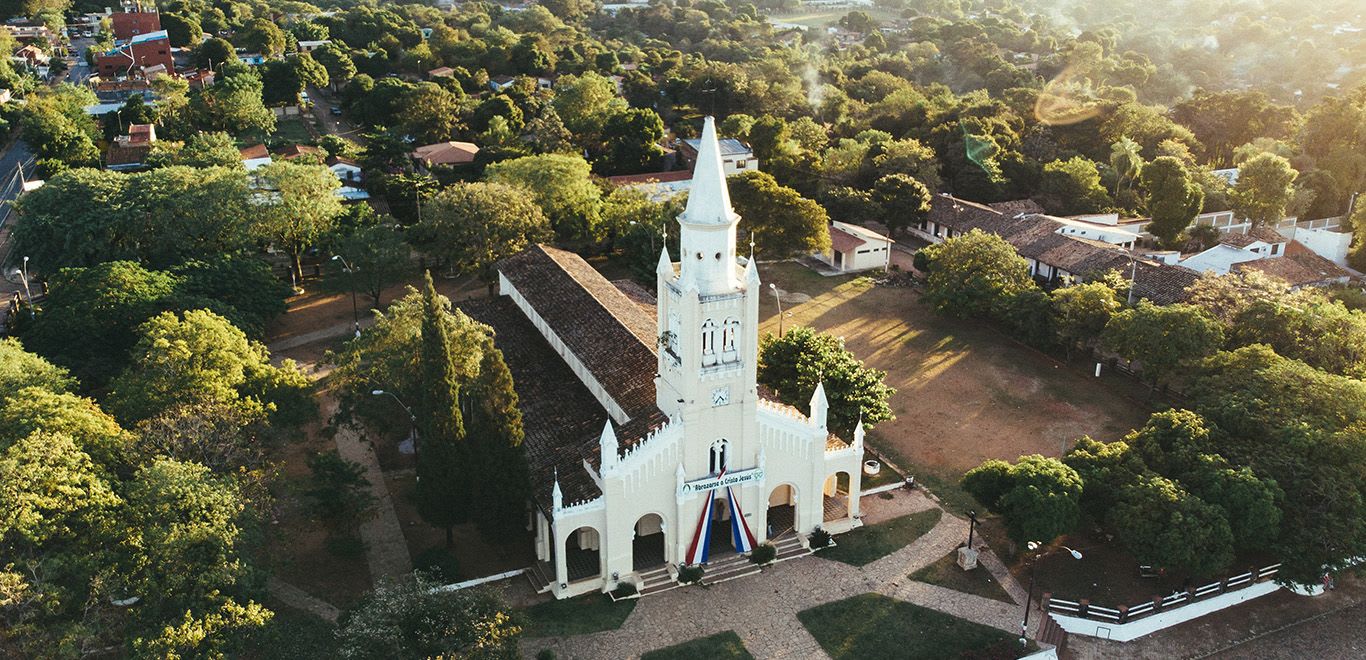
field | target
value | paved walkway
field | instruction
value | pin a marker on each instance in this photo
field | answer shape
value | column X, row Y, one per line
column 386, row 549
column 763, row 609
column 302, row 600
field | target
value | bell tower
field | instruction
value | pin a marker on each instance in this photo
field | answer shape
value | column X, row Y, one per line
column 708, row 316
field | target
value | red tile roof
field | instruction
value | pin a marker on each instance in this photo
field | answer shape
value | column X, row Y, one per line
column 1297, row 269
column 254, row 151
column 651, row 177
column 843, row 241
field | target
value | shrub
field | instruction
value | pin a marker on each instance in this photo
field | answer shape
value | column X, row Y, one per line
column 545, row 654
column 764, row 553
column 625, row 590
column 439, row 562
column 819, row 538
column 690, row 574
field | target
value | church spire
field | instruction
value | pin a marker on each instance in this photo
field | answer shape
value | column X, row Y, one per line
column 708, row 199
column 820, row 406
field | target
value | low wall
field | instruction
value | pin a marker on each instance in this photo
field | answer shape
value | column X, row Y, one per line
column 1126, row 632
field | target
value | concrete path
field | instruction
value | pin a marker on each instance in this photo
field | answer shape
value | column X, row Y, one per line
column 386, row 549
column 998, row 570
column 301, row 600
column 763, row 609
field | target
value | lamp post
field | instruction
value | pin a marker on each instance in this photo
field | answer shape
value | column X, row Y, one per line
column 412, row 419
column 972, row 526
column 1029, row 599
column 774, row 288
column 27, row 293
column 355, row 310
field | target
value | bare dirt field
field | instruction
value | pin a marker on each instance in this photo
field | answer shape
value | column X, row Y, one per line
column 965, row 391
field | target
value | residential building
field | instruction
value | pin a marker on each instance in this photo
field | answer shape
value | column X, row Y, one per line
column 658, row 186
column 134, row 20
column 254, row 156
column 736, row 156
column 501, row 83
column 138, row 52
column 854, row 248
column 310, row 45
column 129, row 152
column 1234, row 248
column 445, row 153
column 651, row 445
column 346, row 170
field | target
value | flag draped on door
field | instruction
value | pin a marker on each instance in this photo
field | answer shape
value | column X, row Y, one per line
column 701, row 540
column 740, row 534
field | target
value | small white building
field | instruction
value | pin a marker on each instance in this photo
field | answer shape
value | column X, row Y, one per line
column 1236, row 248
column 345, row 169
column 854, row 248
column 736, row 156
column 651, row 444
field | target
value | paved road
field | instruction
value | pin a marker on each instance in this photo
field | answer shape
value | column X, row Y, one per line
column 17, row 156
column 323, row 100
column 1336, row 634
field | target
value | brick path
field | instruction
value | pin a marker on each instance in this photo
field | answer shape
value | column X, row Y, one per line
column 386, row 549
column 302, row 600
column 762, row 609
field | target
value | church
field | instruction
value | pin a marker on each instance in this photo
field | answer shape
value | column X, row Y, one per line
column 651, row 445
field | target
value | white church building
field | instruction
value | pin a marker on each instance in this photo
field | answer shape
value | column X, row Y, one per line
column 650, row 443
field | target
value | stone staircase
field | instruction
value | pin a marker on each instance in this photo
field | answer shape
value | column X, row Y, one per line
column 657, row 580
column 538, row 575
column 790, row 547
column 729, row 568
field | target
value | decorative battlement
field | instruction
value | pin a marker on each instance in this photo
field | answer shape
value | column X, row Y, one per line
column 582, row 506
column 784, row 410
column 646, row 448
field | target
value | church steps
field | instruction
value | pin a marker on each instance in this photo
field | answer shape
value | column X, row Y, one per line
column 536, row 575
column 657, row 580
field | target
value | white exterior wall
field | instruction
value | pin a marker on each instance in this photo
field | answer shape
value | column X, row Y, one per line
column 1127, row 632
column 1331, row 245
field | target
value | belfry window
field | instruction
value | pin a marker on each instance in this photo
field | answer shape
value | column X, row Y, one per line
column 729, row 336
column 708, row 343
column 718, row 456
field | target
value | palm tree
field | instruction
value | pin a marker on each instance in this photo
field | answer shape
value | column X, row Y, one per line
column 1126, row 156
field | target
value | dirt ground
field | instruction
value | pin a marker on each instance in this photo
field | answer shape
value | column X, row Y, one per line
column 965, row 392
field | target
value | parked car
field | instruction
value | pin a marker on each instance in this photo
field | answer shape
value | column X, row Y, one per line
column 335, row 110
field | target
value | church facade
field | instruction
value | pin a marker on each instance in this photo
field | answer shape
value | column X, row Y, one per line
column 652, row 446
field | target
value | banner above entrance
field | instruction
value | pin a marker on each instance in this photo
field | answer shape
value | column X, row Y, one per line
column 723, row 481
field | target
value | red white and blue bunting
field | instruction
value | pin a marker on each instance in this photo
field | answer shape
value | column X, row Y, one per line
column 741, row 535
column 701, row 540
column 739, row 527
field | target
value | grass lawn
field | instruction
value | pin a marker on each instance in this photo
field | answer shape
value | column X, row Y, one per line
column 720, row 645
column 872, row 542
column 576, row 616
column 293, row 634
column 945, row 573
column 292, row 129
column 873, row 626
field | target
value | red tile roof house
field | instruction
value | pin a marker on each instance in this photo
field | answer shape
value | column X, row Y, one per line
column 129, row 152
column 854, row 248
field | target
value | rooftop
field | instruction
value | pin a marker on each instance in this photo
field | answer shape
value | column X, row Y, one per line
column 729, row 146
column 447, row 153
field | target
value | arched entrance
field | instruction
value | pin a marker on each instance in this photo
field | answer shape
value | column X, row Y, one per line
column 782, row 510
column 647, row 548
column 720, row 528
column 836, row 497
column 582, row 554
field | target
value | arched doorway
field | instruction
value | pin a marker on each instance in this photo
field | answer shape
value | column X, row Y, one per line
column 782, row 510
column 720, row 528
column 647, row 548
column 582, row 554
column 836, row 497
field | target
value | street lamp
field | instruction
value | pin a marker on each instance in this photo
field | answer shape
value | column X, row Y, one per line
column 27, row 293
column 1029, row 599
column 972, row 526
column 412, row 419
column 355, row 310
column 774, row 288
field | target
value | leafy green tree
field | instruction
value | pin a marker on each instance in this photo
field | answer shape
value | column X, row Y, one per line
column 631, row 142
column 909, row 157
column 214, row 633
column 213, row 53
column 300, row 208
column 973, row 274
column 242, row 289
column 1039, row 497
column 1164, row 338
column 494, row 432
column 636, row 224
column 430, row 113
column 394, row 622
column 203, row 150
column 20, row 368
column 1082, row 310
column 261, row 36
column 473, row 225
column 444, row 489
column 234, row 104
column 338, row 491
column 32, row 409
column 228, row 437
column 1162, row 524
column 55, row 123
column 201, row 358
column 340, row 68
column 1264, row 189
column 561, row 186
column 1071, row 187
column 1126, row 159
column 1106, row 468
column 781, row 222
column 183, row 31
column 379, row 258
column 904, row 202
column 1172, row 197
column 794, row 364
column 584, row 103
column 280, row 83
column 310, row 71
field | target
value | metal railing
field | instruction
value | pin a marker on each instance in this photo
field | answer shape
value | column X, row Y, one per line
column 1125, row 614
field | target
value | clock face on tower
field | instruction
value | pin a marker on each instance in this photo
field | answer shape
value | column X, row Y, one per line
column 720, row 396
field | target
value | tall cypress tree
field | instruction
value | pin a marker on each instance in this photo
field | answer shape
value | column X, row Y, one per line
column 495, row 441
column 442, row 488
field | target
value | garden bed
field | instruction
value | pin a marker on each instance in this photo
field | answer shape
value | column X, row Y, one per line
column 721, row 646
column 872, row 542
column 946, row 573
column 873, row 626
column 577, row 616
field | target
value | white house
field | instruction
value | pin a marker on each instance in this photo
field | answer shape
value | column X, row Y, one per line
column 736, row 156
column 1235, row 248
column 650, row 443
column 854, row 248
column 345, row 169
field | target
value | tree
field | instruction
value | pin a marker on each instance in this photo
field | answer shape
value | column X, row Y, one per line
column 228, row 437
column 213, row 53
column 561, row 186
column 340, row 68
column 1106, row 468
column 310, row 71
column 1081, row 312
column 1264, row 189
column 32, row 409
column 1126, row 158
column 473, row 225
column 494, row 432
column 300, row 208
column 280, row 83
column 909, row 157
column 394, row 621
column 1071, row 187
column 1163, row 338
column 212, row 149
column 430, row 112
column 379, row 258
column 244, row 290
column 262, row 36
column 234, row 104
column 903, row 201
column 184, row 32
column 794, row 364
column 20, row 368
column 972, row 274
column 199, row 357
column 778, row 219
column 1172, row 197
column 584, row 104
column 338, row 491
column 444, row 490
column 1039, row 497
column 631, row 142
column 1162, row 524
